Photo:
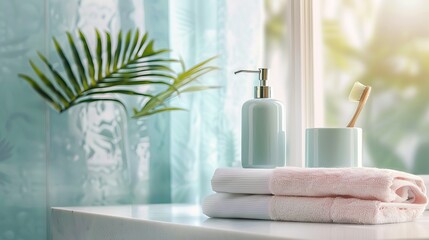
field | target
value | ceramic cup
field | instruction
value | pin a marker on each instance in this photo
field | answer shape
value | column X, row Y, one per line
column 333, row 147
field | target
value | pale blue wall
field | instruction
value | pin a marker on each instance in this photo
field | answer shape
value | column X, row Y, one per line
column 95, row 154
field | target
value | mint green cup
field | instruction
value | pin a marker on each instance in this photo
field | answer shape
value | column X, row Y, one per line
column 333, row 147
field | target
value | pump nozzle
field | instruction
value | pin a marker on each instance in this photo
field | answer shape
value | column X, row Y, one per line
column 263, row 73
column 261, row 91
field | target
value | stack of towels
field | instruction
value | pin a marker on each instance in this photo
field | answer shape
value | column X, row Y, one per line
column 338, row 195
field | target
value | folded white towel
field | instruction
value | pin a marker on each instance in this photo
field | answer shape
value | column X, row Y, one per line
column 364, row 183
column 309, row 209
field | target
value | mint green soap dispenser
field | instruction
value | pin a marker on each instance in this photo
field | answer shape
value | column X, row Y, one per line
column 262, row 133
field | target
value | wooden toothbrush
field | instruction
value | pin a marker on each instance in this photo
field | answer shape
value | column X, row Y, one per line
column 359, row 93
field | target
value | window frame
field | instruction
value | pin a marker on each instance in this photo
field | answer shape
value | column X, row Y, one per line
column 302, row 104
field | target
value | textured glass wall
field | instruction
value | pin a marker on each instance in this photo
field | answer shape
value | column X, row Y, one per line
column 23, row 129
column 95, row 154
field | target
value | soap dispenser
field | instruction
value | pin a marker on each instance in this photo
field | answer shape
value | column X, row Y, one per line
column 262, row 133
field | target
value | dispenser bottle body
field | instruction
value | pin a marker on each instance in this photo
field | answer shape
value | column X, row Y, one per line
column 262, row 136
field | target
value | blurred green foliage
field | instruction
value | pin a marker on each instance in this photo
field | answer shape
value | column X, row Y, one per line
column 392, row 55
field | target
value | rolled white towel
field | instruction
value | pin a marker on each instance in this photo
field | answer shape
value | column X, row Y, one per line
column 309, row 209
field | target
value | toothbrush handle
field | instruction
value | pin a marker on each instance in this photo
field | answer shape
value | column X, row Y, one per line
column 362, row 103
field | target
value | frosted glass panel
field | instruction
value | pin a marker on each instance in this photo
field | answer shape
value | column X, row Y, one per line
column 88, row 162
column 22, row 124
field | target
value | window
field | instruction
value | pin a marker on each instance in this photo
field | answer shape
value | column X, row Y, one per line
column 384, row 44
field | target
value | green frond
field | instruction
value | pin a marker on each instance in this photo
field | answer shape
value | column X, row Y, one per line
column 91, row 68
column 187, row 78
column 78, row 61
column 150, row 67
column 199, row 67
column 99, row 51
column 102, row 72
column 145, row 114
column 49, row 84
column 180, row 84
column 131, row 83
column 40, row 91
column 139, row 75
column 60, row 80
column 117, row 52
column 126, row 46
column 108, row 53
column 134, row 45
column 120, row 91
column 142, row 43
column 195, row 72
column 158, row 60
column 67, row 66
column 182, row 64
column 198, row 88
column 90, row 100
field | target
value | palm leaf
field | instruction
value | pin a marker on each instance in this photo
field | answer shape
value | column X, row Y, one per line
column 138, row 114
column 117, row 52
column 129, row 83
column 153, row 67
column 90, row 100
column 67, row 66
column 40, row 91
column 60, row 80
column 198, row 88
column 49, row 84
column 136, row 75
column 108, row 53
column 121, row 91
column 78, row 61
column 126, row 46
column 99, row 52
column 88, row 54
column 180, row 85
column 133, row 47
column 142, row 42
column 93, row 75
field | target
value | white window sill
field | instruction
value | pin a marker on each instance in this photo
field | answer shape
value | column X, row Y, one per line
column 175, row 221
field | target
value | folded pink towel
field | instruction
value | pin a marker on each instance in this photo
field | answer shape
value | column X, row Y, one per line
column 309, row 209
column 363, row 183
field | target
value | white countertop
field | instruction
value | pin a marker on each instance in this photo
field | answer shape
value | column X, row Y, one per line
column 177, row 221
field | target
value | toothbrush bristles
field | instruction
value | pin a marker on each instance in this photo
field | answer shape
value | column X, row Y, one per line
column 356, row 92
